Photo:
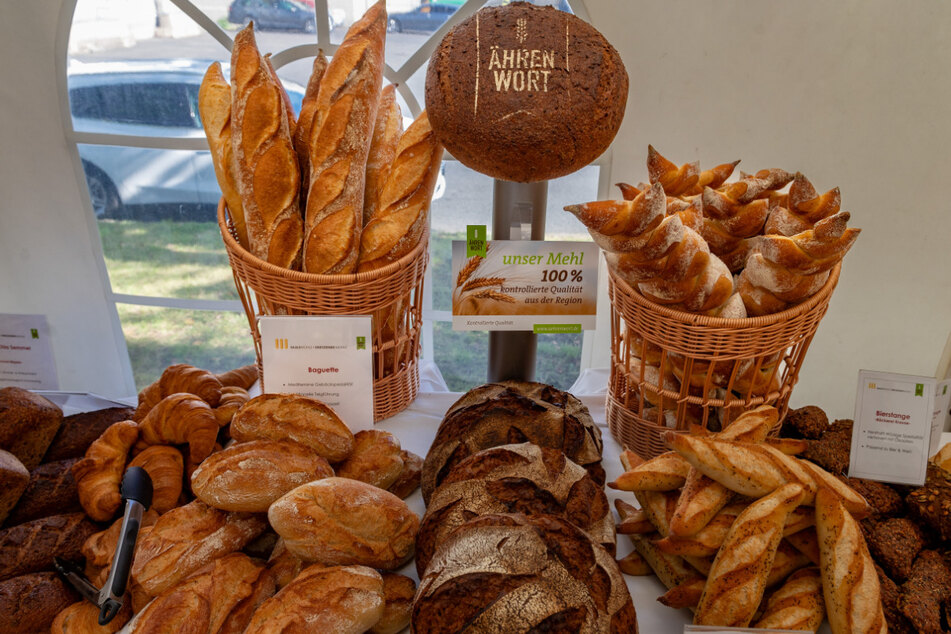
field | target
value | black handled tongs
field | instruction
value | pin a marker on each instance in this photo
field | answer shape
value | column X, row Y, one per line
column 136, row 498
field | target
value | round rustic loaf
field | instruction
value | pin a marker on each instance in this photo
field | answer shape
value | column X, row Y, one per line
column 339, row 522
column 525, row 93
column 375, row 459
column 523, row 478
column 250, row 476
column 518, row 573
column 511, row 412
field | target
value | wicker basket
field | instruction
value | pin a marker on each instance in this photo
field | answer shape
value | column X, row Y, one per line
column 732, row 364
column 394, row 291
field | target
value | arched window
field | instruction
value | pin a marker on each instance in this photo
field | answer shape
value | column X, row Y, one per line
column 133, row 71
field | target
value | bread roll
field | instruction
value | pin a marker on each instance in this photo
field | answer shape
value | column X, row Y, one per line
column 14, row 479
column 28, row 424
column 340, row 142
column 398, row 592
column 268, row 174
column 849, row 582
column 187, row 538
column 99, row 473
column 513, row 573
column 31, row 547
column 376, row 459
column 29, row 603
column 249, row 476
column 283, row 565
column 165, row 467
column 339, row 599
column 738, row 578
column 338, row 521
column 293, row 417
column 408, row 479
column 803, row 208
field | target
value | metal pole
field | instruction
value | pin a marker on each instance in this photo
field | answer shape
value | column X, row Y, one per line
column 518, row 213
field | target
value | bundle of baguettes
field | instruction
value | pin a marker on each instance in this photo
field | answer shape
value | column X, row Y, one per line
column 342, row 189
column 680, row 239
column 744, row 533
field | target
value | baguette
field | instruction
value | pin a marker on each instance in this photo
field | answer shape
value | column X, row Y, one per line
column 305, row 123
column 268, row 174
column 51, row 490
column 670, row 569
column 666, row 472
column 347, row 104
column 797, row 604
column 214, row 107
column 742, row 467
column 739, row 574
column 31, row 547
column 387, row 131
column 402, row 216
column 850, row 584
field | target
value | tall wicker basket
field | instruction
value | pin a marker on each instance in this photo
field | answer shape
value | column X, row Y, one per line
column 703, row 370
column 394, row 291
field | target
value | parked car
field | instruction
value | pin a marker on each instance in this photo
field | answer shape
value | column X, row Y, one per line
column 290, row 15
column 426, row 17
column 149, row 98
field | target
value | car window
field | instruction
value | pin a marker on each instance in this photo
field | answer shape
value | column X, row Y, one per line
column 143, row 103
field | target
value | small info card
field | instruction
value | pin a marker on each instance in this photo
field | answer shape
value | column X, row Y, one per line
column 326, row 358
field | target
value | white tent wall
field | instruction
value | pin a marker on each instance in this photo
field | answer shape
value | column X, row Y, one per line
column 853, row 94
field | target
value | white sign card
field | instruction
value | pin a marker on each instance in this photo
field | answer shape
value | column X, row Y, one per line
column 546, row 287
column 715, row 629
column 26, row 354
column 326, row 358
column 897, row 422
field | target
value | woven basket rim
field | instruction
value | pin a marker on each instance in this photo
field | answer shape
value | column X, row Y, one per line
column 695, row 319
column 225, row 224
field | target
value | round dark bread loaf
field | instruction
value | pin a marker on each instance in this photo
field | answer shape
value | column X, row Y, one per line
column 518, row 573
column 29, row 603
column 523, row 478
column 525, row 93
column 512, row 412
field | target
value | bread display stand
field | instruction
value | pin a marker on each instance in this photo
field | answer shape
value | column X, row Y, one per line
column 266, row 289
column 770, row 348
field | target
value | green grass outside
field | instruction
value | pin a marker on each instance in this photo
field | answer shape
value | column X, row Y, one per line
column 187, row 260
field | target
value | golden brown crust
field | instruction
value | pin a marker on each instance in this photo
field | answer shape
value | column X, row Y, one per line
column 797, row 604
column 243, row 377
column 187, row 538
column 739, row 574
column 268, row 174
column 386, row 137
column 165, row 467
column 249, row 476
column 83, row 618
column 340, row 599
column 409, row 478
column 305, row 122
column 182, row 377
column 338, row 521
column 665, row 472
column 340, row 141
column 376, row 459
column 283, row 565
column 398, row 592
column 297, row 418
column 670, row 569
column 849, row 581
column 149, row 397
column 182, row 418
column 232, row 399
column 99, row 548
column 99, row 474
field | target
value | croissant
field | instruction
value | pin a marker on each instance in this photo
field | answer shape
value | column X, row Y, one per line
column 243, row 377
column 802, row 209
column 99, row 474
column 850, row 584
column 165, row 467
column 148, row 397
column 182, row 418
column 232, row 398
column 182, row 377
column 739, row 574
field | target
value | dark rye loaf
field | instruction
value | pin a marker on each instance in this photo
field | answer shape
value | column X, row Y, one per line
column 523, row 478
column 29, row 603
column 517, row 573
column 525, row 93
column 511, row 412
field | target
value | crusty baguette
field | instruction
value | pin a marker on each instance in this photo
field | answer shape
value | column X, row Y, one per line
column 849, row 582
column 633, row 519
column 807, row 542
column 340, row 142
column 670, row 569
column 214, row 106
column 796, row 605
column 742, row 467
column 665, row 472
column 268, row 174
column 402, row 215
column 739, row 574
column 634, row 564
column 387, row 131
column 305, row 123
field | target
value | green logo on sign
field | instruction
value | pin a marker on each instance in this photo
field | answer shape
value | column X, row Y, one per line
column 919, row 389
column 34, row 333
column 361, row 343
column 475, row 240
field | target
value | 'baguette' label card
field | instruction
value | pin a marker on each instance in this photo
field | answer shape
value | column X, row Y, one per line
column 326, row 358
column 546, row 287
column 891, row 436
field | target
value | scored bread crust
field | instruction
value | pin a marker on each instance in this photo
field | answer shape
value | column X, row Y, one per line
column 346, row 110
column 797, row 604
column 305, row 123
column 387, row 131
column 740, row 571
column 268, row 174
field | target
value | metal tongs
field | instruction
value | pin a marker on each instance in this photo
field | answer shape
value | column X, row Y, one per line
column 136, row 498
